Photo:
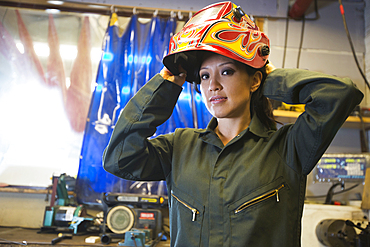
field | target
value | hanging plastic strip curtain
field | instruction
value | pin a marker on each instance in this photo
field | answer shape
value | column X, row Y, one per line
column 127, row 63
column 79, row 92
column 28, row 47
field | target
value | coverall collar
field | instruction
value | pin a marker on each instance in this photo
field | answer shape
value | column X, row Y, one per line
column 255, row 127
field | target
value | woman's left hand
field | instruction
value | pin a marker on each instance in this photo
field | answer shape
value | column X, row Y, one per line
column 269, row 68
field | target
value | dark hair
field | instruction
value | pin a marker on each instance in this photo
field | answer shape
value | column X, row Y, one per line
column 260, row 104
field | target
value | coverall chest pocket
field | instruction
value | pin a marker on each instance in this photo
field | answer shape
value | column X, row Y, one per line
column 186, row 217
column 254, row 214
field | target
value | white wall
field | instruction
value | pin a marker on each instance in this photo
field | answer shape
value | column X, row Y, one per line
column 325, row 45
column 326, row 49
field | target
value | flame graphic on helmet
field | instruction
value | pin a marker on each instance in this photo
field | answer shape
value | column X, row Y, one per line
column 220, row 28
column 242, row 42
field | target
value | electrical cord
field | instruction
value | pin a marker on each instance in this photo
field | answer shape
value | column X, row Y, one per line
column 13, row 242
column 301, row 42
column 317, row 16
column 166, row 231
column 285, row 42
column 157, row 240
column 357, row 113
column 345, row 190
column 350, row 42
column 336, row 193
column 14, row 227
column 21, row 227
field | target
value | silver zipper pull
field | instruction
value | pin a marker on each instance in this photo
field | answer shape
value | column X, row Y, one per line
column 277, row 195
column 194, row 214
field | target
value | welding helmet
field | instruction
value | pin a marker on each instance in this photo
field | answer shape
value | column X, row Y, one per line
column 222, row 28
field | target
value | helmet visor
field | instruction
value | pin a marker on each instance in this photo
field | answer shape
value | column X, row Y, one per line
column 206, row 15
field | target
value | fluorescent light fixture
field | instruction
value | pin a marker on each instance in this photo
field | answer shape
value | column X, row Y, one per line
column 96, row 54
column 52, row 11
column 20, row 47
column 41, row 49
column 56, row 2
column 68, row 52
column 68, row 82
column 98, row 6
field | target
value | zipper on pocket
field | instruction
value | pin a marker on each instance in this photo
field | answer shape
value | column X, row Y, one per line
column 260, row 198
column 193, row 210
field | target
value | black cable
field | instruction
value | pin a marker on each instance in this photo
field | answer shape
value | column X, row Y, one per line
column 166, row 232
column 316, row 11
column 13, row 242
column 157, row 240
column 363, row 130
column 21, row 227
column 350, row 42
column 335, row 193
column 13, row 227
column 301, row 42
column 345, row 190
column 317, row 16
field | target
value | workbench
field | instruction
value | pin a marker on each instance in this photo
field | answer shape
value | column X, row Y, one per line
column 12, row 236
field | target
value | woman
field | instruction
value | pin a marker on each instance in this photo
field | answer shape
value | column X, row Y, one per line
column 240, row 181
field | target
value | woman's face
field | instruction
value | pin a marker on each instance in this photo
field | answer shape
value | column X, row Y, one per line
column 226, row 87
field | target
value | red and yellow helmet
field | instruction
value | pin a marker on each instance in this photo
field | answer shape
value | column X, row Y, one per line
column 222, row 28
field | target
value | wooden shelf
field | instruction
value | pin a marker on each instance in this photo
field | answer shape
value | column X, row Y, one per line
column 352, row 122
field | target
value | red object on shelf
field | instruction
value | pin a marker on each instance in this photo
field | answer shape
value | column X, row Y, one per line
column 299, row 8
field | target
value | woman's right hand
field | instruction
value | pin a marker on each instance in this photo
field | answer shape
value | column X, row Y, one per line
column 177, row 79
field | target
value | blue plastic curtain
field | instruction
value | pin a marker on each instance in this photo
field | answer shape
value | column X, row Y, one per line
column 127, row 63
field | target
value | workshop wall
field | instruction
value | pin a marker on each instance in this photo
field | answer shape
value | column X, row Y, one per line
column 325, row 48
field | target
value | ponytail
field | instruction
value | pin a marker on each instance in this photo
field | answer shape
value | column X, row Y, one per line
column 260, row 104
